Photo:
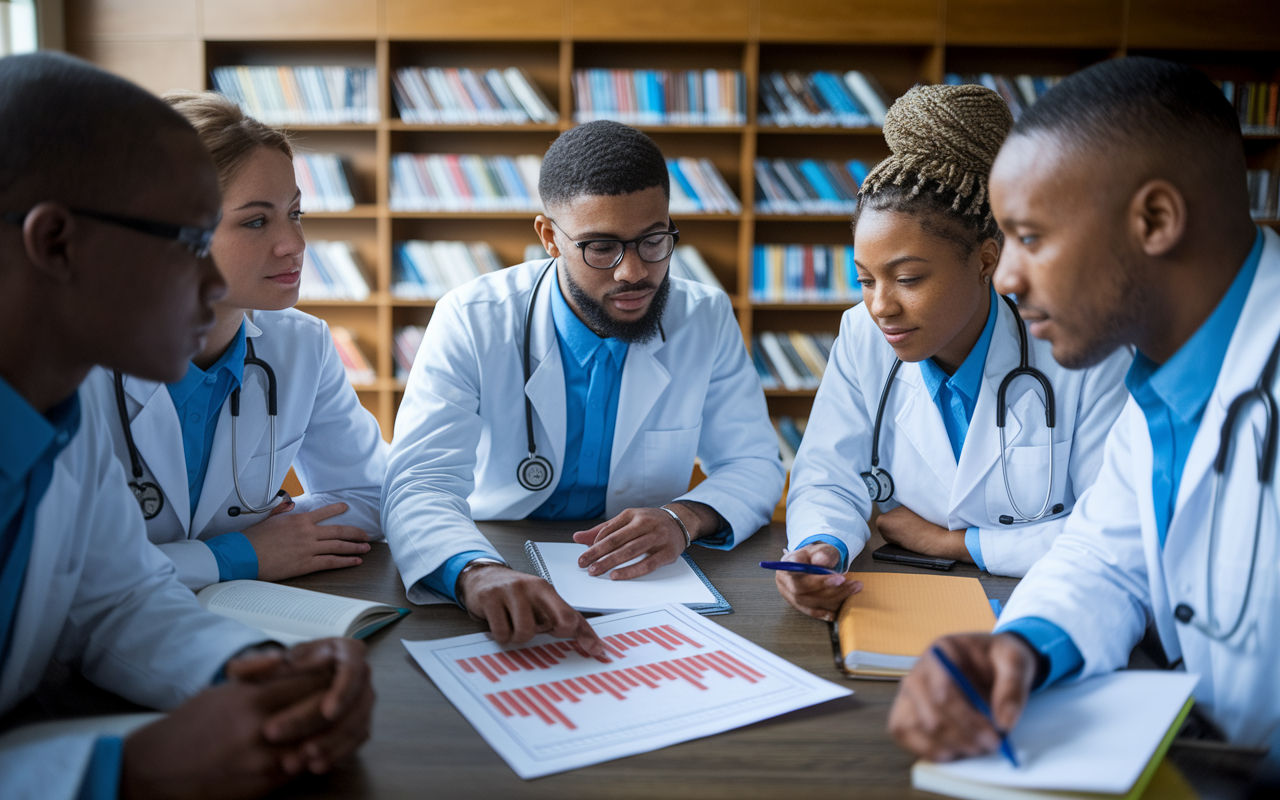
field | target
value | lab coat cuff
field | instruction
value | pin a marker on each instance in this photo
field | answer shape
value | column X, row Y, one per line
column 1051, row 643
column 237, row 560
column 973, row 543
column 740, row 520
column 823, row 538
column 102, row 777
column 443, row 581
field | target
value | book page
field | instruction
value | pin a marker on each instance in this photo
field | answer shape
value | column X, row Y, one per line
column 300, row 614
column 673, row 583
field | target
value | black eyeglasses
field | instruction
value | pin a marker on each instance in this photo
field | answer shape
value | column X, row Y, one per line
column 608, row 253
column 197, row 240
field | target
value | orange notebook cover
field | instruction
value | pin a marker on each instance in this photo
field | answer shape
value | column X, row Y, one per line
column 882, row 630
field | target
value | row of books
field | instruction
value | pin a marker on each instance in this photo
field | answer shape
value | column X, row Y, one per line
column 452, row 182
column 422, row 270
column 359, row 371
column 404, row 348
column 790, row 431
column 1262, row 194
column 461, row 96
column 661, row 97
column 1020, row 92
column 331, row 271
column 697, row 186
column 808, row 186
column 686, row 262
column 323, row 182
column 1256, row 103
column 794, row 360
column 302, row 95
column 804, row 273
column 822, row 99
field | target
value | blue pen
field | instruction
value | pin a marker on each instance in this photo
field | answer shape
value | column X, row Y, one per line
column 796, row 566
column 976, row 700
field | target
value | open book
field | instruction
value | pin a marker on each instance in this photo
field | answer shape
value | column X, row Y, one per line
column 679, row 582
column 291, row 615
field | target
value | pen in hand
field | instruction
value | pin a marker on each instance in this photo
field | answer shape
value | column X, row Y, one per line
column 976, row 701
column 796, row 566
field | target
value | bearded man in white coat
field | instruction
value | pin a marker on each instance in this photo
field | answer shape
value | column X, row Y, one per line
column 1123, row 199
column 578, row 387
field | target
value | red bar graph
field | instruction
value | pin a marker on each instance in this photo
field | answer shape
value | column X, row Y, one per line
column 546, row 656
column 541, row 700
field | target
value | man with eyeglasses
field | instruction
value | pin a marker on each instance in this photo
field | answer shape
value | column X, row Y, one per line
column 578, row 387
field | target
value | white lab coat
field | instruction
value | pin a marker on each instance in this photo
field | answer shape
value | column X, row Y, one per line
column 460, row 432
column 827, row 496
column 321, row 430
column 1107, row 577
column 99, row 597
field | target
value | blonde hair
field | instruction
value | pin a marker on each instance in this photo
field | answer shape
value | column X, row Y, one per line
column 228, row 133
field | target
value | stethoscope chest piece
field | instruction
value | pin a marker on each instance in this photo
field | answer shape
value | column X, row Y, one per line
column 150, row 498
column 535, row 473
column 879, row 485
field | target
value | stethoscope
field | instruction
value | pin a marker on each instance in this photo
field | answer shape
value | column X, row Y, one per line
column 1260, row 393
column 151, row 499
column 535, row 472
column 880, row 483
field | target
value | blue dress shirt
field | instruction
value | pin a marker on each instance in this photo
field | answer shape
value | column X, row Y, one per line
column 1172, row 397
column 199, row 398
column 955, row 396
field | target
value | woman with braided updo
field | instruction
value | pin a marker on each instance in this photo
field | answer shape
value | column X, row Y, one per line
column 933, row 342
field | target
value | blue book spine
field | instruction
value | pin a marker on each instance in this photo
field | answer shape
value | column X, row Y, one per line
column 674, row 169
column 813, row 173
column 858, row 170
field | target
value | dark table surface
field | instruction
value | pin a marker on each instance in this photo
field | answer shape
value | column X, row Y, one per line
column 422, row 747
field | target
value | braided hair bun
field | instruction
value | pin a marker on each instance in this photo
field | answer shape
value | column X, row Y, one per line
column 946, row 137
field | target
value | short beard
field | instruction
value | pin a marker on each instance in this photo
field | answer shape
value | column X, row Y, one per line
column 597, row 317
column 1117, row 326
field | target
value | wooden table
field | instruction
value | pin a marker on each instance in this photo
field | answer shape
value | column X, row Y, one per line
column 422, row 747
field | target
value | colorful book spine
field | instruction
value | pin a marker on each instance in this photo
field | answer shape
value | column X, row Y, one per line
column 790, row 431
column 800, row 273
column 454, row 182
column 1256, row 103
column 404, row 348
column 792, row 186
column 359, row 371
column 821, row 99
column 1262, row 194
column 322, row 180
column 331, row 271
column 423, row 270
column 660, row 97
column 302, row 95
column 698, row 187
column 1019, row 92
column 462, row 96
column 794, row 360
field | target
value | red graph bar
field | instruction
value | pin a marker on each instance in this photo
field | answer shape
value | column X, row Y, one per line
column 493, row 698
column 680, row 636
column 494, row 665
column 511, row 701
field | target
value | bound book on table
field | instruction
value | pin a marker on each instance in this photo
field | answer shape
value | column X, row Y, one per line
column 291, row 615
column 679, row 582
column 881, row 631
column 1101, row 737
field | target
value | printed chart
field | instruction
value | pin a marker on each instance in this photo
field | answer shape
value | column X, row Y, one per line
column 670, row 676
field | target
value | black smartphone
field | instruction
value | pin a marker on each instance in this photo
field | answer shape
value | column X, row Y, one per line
column 901, row 555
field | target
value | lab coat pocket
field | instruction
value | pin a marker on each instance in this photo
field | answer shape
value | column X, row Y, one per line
column 668, row 463
column 1028, row 470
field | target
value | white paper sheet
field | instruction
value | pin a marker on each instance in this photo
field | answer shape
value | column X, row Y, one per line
column 672, row 583
column 672, row 676
column 1096, row 735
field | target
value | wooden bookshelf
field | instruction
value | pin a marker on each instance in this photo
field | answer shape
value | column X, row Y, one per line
column 169, row 44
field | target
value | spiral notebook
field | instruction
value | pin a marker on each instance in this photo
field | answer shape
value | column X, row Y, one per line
column 679, row 582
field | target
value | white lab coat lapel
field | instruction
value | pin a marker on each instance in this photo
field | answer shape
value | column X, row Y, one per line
column 545, row 388
column 251, row 427
column 644, row 379
column 981, row 452
column 157, row 434
column 919, row 422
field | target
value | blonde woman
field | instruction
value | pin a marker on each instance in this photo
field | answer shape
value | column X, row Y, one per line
column 205, row 456
column 922, row 361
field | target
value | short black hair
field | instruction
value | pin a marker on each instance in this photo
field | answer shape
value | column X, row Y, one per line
column 602, row 158
column 73, row 133
column 1162, row 109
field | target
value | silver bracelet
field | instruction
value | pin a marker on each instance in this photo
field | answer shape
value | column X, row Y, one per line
column 680, row 522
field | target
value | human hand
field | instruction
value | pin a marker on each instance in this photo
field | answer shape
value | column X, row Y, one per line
column 819, row 596
column 932, row 718
column 212, row 746
column 906, row 528
column 330, row 725
column 648, row 532
column 519, row 606
column 289, row 545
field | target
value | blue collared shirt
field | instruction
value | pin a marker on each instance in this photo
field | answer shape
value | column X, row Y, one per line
column 1172, row 397
column 955, row 396
column 199, row 398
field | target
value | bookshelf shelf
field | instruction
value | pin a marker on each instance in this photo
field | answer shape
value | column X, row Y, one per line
column 790, row 392
column 898, row 42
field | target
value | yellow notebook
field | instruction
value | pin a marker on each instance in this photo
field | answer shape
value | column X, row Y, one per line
column 882, row 630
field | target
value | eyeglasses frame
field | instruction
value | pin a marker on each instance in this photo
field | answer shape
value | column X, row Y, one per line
column 195, row 239
column 583, row 244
